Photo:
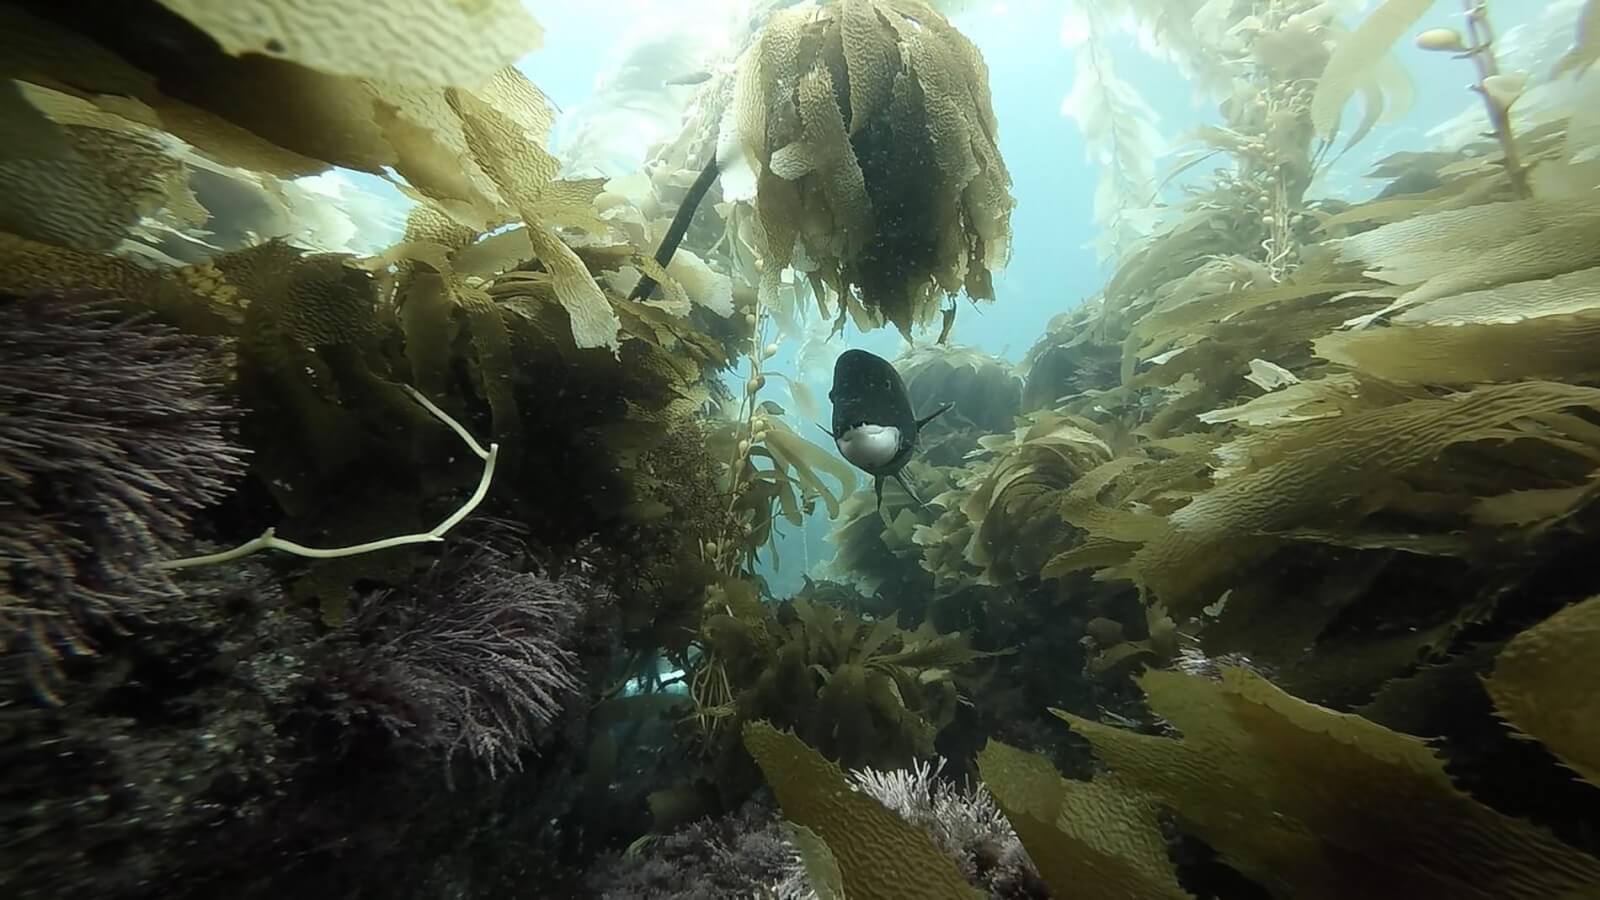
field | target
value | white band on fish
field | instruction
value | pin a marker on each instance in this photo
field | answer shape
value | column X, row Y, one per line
column 869, row 446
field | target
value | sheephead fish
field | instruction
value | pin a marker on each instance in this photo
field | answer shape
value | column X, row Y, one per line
column 873, row 425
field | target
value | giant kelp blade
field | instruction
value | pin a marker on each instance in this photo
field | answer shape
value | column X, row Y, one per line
column 1323, row 463
column 1544, row 685
column 433, row 42
column 879, row 855
column 1539, row 328
column 807, row 460
column 1317, row 804
column 871, row 56
column 1119, row 126
column 499, row 135
column 822, row 869
column 1555, row 347
column 88, row 176
column 1356, row 56
column 1094, row 840
column 35, row 266
column 1460, row 250
column 870, row 123
column 1565, row 294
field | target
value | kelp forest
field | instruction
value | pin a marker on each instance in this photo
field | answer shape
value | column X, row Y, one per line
column 439, row 566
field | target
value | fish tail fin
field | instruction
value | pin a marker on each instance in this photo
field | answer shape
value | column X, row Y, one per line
column 907, row 488
column 923, row 422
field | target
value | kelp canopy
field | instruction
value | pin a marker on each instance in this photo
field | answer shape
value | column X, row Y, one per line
column 863, row 130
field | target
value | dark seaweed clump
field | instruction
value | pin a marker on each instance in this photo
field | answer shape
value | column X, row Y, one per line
column 116, row 431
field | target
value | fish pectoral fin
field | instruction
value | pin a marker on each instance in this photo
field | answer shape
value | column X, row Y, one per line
column 922, row 422
column 907, row 488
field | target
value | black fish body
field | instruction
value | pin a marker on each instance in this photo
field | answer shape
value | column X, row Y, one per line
column 874, row 426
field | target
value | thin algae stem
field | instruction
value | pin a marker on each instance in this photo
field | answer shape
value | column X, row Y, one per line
column 268, row 540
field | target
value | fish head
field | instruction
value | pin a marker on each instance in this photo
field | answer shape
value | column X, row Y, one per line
column 867, row 390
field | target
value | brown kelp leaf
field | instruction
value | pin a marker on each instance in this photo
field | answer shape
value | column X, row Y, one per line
column 1089, row 839
column 878, row 99
column 925, row 648
column 670, row 296
column 433, row 42
column 1572, row 292
column 871, row 57
column 32, row 49
column 494, row 254
column 1454, row 194
column 1411, row 703
column 1353, row 60
column 1302, row 402
column 28, row 267
column 878, row 853
column 1534, row 507
column 793, row 453
column 703, row 285
column 1316, row 804
column 1015, row 506
column 1479, row 247
column 501, row 138
column 1184, row 316
column 835, row 159
column 433, row 153
column 497, row 365
column 505, row 123
column 822, row 870
column 1110, row 529
column 1319, row 464
column 594, row 321
column 1386, row 94
column 805, row 402
column 25, row 132
column 110, row 172
column 1550, row 347
column 1544, row 685
column 427, row 318
column 1583, row 128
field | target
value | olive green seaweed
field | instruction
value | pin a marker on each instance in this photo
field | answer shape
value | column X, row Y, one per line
column 879, row 855
column 1543, row 685
column 1317, row 804
column 1099, row 840
column 1353, row 60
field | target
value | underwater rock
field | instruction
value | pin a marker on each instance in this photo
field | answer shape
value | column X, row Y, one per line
column 220, row 746
column 163, row 751
column 736, row 855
